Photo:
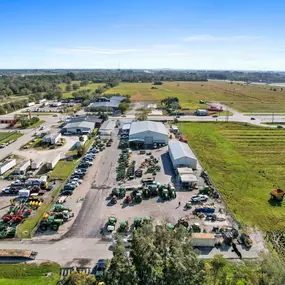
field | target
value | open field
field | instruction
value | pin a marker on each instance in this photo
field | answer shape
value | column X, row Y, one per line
column 245, row 162
column 29, row 274
column 91, row 86
column 8, row 136
column 251, row 98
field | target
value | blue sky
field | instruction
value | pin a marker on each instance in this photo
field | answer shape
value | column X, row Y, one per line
column 143, row 34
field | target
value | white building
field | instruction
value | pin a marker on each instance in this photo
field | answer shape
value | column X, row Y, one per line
column 78, row 128
column 107, row 128
column 181, row 155
column 51, row 138
column 148, row 133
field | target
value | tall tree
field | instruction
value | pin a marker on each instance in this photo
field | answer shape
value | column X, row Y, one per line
column 75, row 86
column 68, row 88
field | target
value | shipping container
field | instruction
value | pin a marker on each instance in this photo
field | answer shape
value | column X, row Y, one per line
column 53, row 161
column 203, row 239
column 7, row 165
column 36, row 164
column 21, row 169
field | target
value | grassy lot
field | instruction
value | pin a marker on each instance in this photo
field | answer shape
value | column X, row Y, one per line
column 245, row 162
column 63, row 169
column 37, row 124
column 8, row 136
column 29, row 274
column 92, row 86
column 251, row 98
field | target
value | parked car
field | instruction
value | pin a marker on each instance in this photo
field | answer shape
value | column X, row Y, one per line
column 17, row 183
column 66, row 192
column 6, row 191
column 99, row 269
column 252, row 118
column 73, row 182
column 78, row 180
column 199, row 198
column 49, row 188
column 93, row 150
column 215, row 116
column 69, row 187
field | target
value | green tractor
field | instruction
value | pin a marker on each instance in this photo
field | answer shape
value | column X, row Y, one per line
column 119, row 193
column 137, row 196
column 147, row 220
column 164, row 194
column 111, row 224
column 195, row 228
column 170, row 226
column 205, row 190
column 146, row 192
column 137, row 223
column 52, row 223
column 153, row 190
column 59, row 208
column 124, row 226
column 172, row 192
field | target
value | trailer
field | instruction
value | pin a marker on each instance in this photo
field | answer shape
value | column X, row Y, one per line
column 203, row 240
column 21, row 169
column 17, row 253
column 30, row 104
column 41, row 101
column 36, row 164
column 24, row 193
column 7, row 165
column 53, row 161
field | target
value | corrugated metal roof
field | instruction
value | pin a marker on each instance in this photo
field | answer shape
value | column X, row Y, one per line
column 126, row 126
column 113, row 102
column 108, row 125
column 144, row 126
column 83, row 124
column 180, row 149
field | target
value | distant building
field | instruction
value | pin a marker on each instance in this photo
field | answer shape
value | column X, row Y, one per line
column 202, row 112
column 107, row 129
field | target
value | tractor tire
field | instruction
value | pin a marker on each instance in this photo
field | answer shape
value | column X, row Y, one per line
column 43, row 227
column 55, row 227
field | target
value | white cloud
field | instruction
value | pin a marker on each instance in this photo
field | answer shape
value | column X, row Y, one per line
column 93, row 51
column 209, row 38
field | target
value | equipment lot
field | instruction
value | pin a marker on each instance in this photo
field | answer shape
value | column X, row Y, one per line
column 92, row 208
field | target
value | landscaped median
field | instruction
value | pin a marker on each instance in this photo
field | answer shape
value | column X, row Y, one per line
column 29, row 274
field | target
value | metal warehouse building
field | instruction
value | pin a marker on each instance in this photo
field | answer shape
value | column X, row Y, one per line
column 148, row 133
column 181, row 155
column 78, row 128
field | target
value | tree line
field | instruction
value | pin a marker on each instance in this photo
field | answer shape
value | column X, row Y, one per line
column 161, row 256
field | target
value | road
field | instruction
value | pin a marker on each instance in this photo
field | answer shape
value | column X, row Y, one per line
column 90, row 218
column 27, row 136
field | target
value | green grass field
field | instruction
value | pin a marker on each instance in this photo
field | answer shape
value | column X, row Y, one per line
column 251, row 98
column 29, row 274
column 245, row 162
column 8, row 136
column 92, row 86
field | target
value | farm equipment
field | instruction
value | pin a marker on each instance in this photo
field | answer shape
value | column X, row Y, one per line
column 138, row 173
column 153, row 188
column 124, row 226
column 51, row 222
column 188, row 205
column 195, row 228
column 137, row 223
column 246, row 240
column 60, row 208
column 170, row 226
column 146, row 192
column 147, row 220
column 137, row 196
column 182, row 222
column 114, row 200
column 7, row 231
column 119, row 193
column 277, row 194
column 111, row 224
column 206, row 190
column 131, row 170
